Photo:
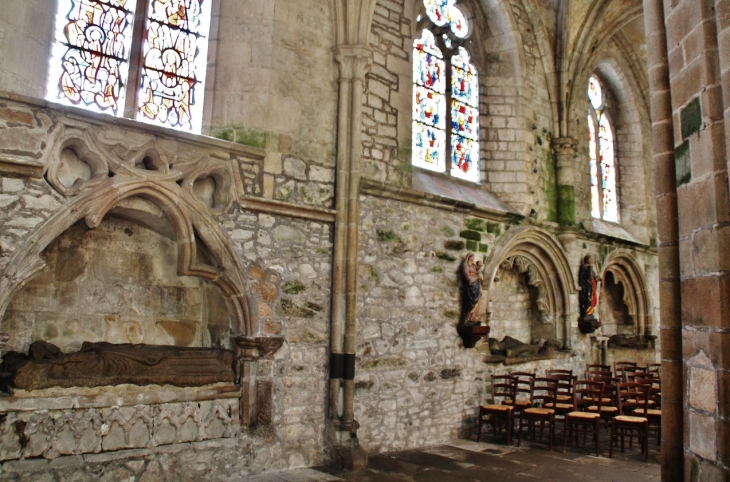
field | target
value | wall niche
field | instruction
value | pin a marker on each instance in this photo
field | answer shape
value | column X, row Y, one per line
column 117, row 283
column 614, row 313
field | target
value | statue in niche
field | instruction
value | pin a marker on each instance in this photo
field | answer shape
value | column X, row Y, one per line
column 471, row 289
column 588, row 280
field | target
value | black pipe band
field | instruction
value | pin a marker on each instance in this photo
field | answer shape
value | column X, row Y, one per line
column 349, row 366
column 336, row 365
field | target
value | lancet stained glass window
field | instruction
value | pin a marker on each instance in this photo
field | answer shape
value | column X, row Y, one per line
column 445, row 97
column 91, row 56
column 604, row 199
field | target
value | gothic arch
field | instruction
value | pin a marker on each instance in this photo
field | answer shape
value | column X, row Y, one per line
column 626, row 270
column 193, row 230
column 539, row 254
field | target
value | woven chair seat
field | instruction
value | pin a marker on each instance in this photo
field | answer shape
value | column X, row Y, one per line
column 630, row 419
column 564, row 398
column 651, row 412
column 633, row 400
column 586, row 415
column 497, row 408
column 539, row 411
column 563, row 406
column 594, row 408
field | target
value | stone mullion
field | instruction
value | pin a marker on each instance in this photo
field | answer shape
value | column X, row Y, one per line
column 672, row 456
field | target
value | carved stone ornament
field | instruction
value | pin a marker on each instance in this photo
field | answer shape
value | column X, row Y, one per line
column 100, row 364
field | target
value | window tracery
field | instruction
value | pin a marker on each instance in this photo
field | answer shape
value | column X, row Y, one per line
column 604, row 199
column 445, row 99
column 92, row 53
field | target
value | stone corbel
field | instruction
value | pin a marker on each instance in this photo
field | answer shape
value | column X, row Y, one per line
column 256, row 392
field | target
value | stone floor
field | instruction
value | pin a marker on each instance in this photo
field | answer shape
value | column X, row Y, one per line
column 465, row 460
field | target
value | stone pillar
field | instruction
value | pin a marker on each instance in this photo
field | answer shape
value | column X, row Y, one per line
column 565, row 150
column 666, row 206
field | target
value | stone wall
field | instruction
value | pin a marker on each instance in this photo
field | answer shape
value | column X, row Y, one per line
column 513, row 310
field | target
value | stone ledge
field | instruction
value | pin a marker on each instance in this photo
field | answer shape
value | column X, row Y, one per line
column 496, row 359
column 117, row 396
column 21, row 168
column 281, row 208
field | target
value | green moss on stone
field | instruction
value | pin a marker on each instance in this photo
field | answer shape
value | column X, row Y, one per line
column 225, row 134
column 251, row 138
column 472, row 245
column 551, row 194
column 691, row 118
column 388, row 237
column 476, row 224
column 293, row 287
column 472, row 235
column 454, row 245
column 385, row 362
column 566, row 205
column 451, row 314
column 483, row 248
column 494, row 228
column 313, row 306
column 289, row 308
column 445, row 256
column 436, row 269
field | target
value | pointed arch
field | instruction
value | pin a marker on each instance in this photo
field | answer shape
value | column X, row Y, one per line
column 190, row 224
column 540, row 254
column 626, row 270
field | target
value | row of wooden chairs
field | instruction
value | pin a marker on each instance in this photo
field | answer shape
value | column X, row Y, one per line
column 580, row 404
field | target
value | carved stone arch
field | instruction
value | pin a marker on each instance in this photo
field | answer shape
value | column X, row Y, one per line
column 626, row 270
column 543, row 258
column 191, row 224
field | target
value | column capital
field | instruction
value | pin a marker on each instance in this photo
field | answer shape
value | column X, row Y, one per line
column 564, row 146
column 354, row 60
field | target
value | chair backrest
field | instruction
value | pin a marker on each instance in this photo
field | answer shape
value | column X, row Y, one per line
column 503, row 386
column 600, row 368
column 632, row 396
column 619, row 365
column 654, row 384
column 609, row 389
column 653, row 367
column 556, row 371
column 588, row 393
column 523, row 384
column 591, row 374
column 563, row 384
column 543, row 391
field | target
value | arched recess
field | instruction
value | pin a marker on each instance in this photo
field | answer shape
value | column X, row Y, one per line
column 539, row 254
column 191, row 225
column 626, row 270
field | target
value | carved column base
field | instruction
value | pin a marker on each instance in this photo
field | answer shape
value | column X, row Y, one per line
column 256, row 387
column 588, row 325
column 352, row 458
column 471, row 334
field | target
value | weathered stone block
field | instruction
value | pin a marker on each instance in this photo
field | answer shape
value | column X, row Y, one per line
column 691, row 117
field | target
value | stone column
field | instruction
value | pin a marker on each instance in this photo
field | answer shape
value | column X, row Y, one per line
column 565, row 150
column 354, row 62
column 666, row 206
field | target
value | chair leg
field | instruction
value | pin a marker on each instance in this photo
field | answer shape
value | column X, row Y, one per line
column 565, row 432
column 596, row 429
column 552, row 432
column 509, row 428
column 613, row 435
column 646, row 441
column 519, row 432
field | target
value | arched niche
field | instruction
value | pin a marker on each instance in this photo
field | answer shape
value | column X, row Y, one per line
column 625, row 270
column 202, row 248
column 537, row 255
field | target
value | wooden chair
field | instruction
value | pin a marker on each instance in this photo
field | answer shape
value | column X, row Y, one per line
column 556, row 371
column 586, row 393
column 654, row 413
column 631, row 397
column 620, row 366
column 591, row 374
column 543, row 393
column 497, row 414
column 522, row 391
column 563, row 404
column 609, row 405
column 654, row 368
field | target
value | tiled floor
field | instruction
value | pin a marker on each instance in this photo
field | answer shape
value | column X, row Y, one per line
column 465, row 460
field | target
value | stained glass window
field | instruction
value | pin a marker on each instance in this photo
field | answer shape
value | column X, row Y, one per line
column 91, row 54
column 90, row 59
column 173, row 70
column 445, row 100
column 604, row 199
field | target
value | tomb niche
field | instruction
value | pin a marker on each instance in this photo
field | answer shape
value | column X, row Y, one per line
column 527, row 288
column 110, row 308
